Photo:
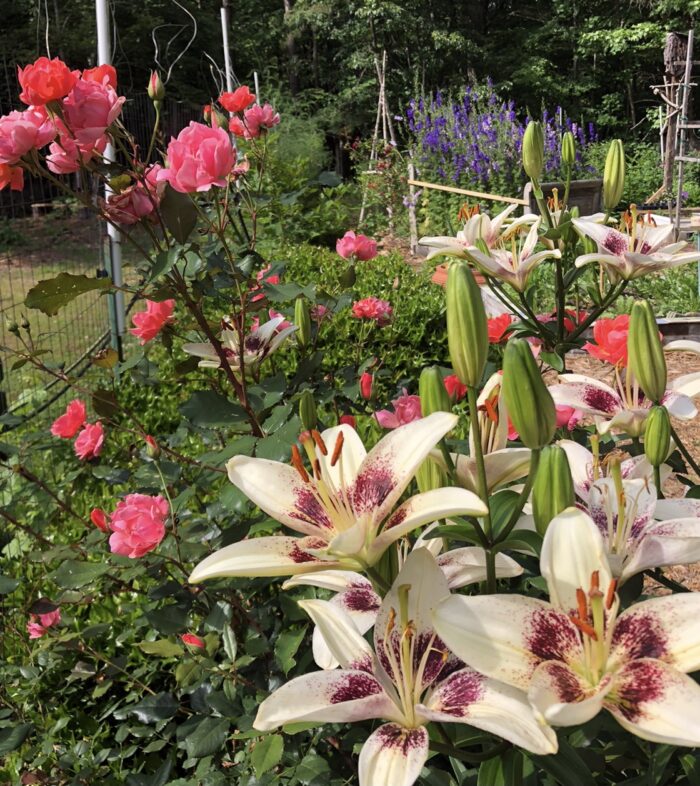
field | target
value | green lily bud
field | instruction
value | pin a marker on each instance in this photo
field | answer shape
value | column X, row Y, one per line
column 467, row 327
column 432, row 392
column 553, row 489
column 533, row 150
column 614, row 175
column 657, row 436
column 307, row 410
column 527, row 399
column 645, row 352
column 433, row 398
column 568, row 149
column 302, row 320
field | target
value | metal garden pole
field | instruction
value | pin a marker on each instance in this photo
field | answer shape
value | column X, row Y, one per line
column 227, row 55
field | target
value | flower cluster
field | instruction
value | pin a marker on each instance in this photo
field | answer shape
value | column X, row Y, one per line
column 90, row 436
column 137, row 524
column 250, row 120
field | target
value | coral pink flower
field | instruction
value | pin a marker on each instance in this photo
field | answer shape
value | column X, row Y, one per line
column 21, row 132
column 406, row 410
column 568, row 417
column 39, row 624
column 89, row 442
column 236, row 127
column 99, row 518
column 255, row 120
column 45, row 80
column 193, row 641
column 67, row 156
column 138, row 201
column 138, row 525
column 150, row 322
column 372, row 308
column 573, row 319
column 347, row 420
column 90, row 109
column 12, row 176
column 610, row 336
column 455, row 389
column 260, row 278
column 240, row 99
column 200, row 157
column 366, row 383
column 356, row 246
column 71, row 421
column 104, row 75
column 499, row 327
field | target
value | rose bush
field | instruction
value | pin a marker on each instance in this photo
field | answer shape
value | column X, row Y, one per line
column 299, row 455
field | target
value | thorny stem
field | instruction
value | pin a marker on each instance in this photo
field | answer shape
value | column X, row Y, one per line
column 32, row 478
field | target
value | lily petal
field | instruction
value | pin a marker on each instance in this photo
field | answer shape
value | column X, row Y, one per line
column 678, row 404
column 393, row 756
column 573, row 549
column 468, row 565
column 562, row 697
column 667, row 628
column 506, row 636
column 656, row 702
column 339, row 696
column 275, row 555
column 469, row 697
column 677, row 508
column 350, row 459
column 683, row 345
column 673, row 542
column 340, row 634
column 580, row 464
column 586, row 393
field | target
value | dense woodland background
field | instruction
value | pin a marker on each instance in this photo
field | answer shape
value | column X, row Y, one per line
column 594, row 58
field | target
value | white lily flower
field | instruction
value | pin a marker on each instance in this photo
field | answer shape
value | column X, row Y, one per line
column 690, row 382
column 356, row 596
column 409, row 680
column 479, row 230
column 643, row 247
column 624, row 408
column 258, row 344
column 577, row 654
column 344, row 506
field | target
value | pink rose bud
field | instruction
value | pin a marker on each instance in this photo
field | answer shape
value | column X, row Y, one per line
column 99, row 518
column 373, row 308
column 137, row 201
column 35, row 630
column 366, row 383
column 347, row 420
column 90, row 441
column 352, row 246
column 568, row 417
column 66, row 156
column 138, row 525
column 39, row 624
column 193, row 641
column 455, row 389
column 150, row 322
column 152, row 447
column 73, row 419
column 199, row 158
column 256, row 120
column 406, row 410
column 156, row 88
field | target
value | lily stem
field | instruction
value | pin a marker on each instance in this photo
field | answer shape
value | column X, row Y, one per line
column 524, row 494
column 469, row 758
column 657, row 482
column 685, row 452
column 377, row 579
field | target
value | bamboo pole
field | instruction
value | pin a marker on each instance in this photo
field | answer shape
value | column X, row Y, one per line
column 479, row 194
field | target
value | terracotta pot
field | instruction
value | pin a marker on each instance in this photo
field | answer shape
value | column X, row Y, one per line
column 440, row 276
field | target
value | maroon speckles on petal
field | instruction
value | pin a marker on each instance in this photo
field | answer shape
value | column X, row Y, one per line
column 397, row 518
column 645, row 248
column 641, row 681
column 552, row 636
column 639, row 526
column 309, row 509
column 601, row 400
column 354, row 686
column 395, row 737
column 641, row 635
column 459, row 691
column 361, row 599
column 298, row 553
column 372, row 487
column 616, row 243
column 565, row 684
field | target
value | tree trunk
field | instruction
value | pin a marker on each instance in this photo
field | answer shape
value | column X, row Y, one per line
column 290, row 46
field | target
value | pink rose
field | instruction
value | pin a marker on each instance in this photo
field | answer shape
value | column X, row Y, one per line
column 455, row 389
column 89, row 442
column 372, row 308
column 318, row 313
column 499, row 327
column 39, row 624
column 73, row 419
column 610, row 336
column 357, row 246
column 138, row 525
column 568, row 417
column 67, row 156
column 90, row 109
column 193, row 641
column 21, row 132
column 50, row 618
column 406, row 410
column 138, row 201
column 45, row 80
column 200, row 157
column 99, row 518
column 12, row 176
column 104, row 74
column 35, row 630
column 240, row 99
column 150, row 322
column 255, row 120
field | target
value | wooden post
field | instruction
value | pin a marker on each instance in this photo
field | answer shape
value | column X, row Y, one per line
column 412, row 223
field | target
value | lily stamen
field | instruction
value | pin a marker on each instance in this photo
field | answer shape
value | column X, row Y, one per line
column 585, row 628
column 298, row 464
column 337, row 449
column 610, row 597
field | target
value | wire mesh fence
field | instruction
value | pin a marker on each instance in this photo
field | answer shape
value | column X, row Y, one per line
column 44, row 232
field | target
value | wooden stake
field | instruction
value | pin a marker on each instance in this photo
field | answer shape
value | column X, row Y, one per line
column 478, row 194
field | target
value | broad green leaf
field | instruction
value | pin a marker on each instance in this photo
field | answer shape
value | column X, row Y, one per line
column 566, row 766
column 155, row 708
column 105, row 403
column 691, row 767
column 491, row 773
column 179, row 214
column 267, row 753
column 51, row 294
column 230, row 645
column 168, row 619
column 286, row 648
column 522, row 540
column 207, row 738
column 162, row 647
column 8, row 585
column 312, row 769
column 11, row 738
column 208, row 409
column 74, row 575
